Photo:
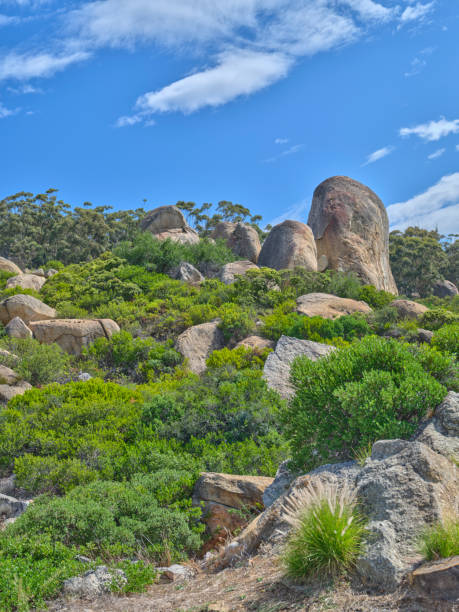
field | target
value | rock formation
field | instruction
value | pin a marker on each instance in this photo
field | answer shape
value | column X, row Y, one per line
column 9, row 266
column 351, row 229
column 328, row 306
column 73, row 334
column 198, row 342
column 231, row 270
column 26, row 307
column 26, row 281
column 288, row 245
column 241, row 238
column 445, row 288
column 187, row 273
column 16, row 328
column 408, row 310
column 169, row 222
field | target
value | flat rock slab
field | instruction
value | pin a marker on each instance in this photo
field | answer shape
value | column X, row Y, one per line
column 329, row 306
column 231, row 490
column 439, row 579
column 276, row 371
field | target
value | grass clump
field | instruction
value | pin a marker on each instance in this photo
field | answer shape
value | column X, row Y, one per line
column 328, row 531
column 441, row 541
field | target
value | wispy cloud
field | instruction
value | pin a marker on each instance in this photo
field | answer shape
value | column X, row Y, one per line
column 290, row 151
column 379, row 154
column 434, row 130
column 437, row 206
column 281, row 141
column 25, row 88
column 22, row 67
column 419, row 62
column 6, row 20
column 436, row 154
column 415, row 12
column 297, row 212
column 7, row 112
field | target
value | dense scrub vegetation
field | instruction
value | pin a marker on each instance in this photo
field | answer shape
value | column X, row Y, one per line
column 113, row 460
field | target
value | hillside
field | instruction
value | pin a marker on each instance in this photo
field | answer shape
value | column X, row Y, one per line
column 179, row 386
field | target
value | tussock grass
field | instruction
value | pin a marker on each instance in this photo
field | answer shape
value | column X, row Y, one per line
column 440, row 541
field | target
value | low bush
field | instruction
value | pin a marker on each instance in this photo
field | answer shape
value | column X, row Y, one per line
column 437, row 317
column 327, row 535
column 38, row 364
column 447, row 339
column 238, row 358
column 376, row 388
column 440, row 541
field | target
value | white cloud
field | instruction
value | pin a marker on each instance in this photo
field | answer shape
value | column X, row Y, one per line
column 128, row 121
column 5, row 112
column 25, row 88
column 436, row 154
column 281, row 141
column 297, row 212
column 434, row 130
column 437, row 206
column 457, row 147
column 26, row 66
column 418, row 11
column 379, row 154
column 371, row 10
column 237, row 73
column 290, row 151
column 7, row 20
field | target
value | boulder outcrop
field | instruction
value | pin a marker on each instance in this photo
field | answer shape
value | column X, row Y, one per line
column 329, row 306
column 231, row 270
column 198, row 342
column 26, row 281
column 16, row 328
column 8, row 376
column 351, row 230
column 276, row 370
column 9, row 266
column 445, row 288
column 26, row 307
column 288, row 245
column 256, row 343
column 438, row 579
column 408, row 309
column 7, row 392
column 169, row 222
column 73, row 334
column 187, row 273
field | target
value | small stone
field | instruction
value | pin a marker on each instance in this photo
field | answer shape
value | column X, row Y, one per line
column 176, row 573
column 94, row 583
column 8, row 376
column 84, row 377
column 439, row 579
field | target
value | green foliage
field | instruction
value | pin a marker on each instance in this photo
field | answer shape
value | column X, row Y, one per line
column 114, row 518
column 139, row 576
column 447, row 339
column 327, row 536
column 417, row 259
column 137, row 358
column 376, row 388
column 374, row 298
column 437, row 317
column 38, row 364
column 236, row 322
column 440, row 541
column 61, row 435
column 32, row 570
column 238, row 358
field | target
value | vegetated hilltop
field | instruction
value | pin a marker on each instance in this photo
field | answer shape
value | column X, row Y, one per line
column 160, row 368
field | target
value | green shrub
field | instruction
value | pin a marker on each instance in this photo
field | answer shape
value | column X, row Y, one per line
column 239, row 358
column 38, row 364
column 376, row 388
column 327, row 533
column 375, row 298
column 440, row 541
column 236, row 323
column 447, row 339
column 117, row 518
column 437, row 317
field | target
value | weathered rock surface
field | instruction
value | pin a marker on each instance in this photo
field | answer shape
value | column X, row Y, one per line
column 445, row 288
column 231, row 270
column 441, row 433
column 94, row 583
column 223, row 231
column 276, row 371
column 230, row 490
column 176, row 572
column 26, row 281
column 425, row 335
column 245, row 242
column 408, row 309
column 438, row 579
column 403, row 487
column 187, row 273
column 280, row 485
column 169, row 222
column 7, row 392
column 8, row 376
column 198, row 342
column 73, row 334
column 9, row 266
column 16, row 328
column 256, row 343
column 10, row 507
column 329, row 306
column 26, row 307
column 288, row 245
column 351, row 229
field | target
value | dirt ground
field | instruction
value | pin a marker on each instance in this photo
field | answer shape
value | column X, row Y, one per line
column 258, row 585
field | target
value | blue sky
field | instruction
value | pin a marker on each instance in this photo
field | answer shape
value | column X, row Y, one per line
column 253, row 101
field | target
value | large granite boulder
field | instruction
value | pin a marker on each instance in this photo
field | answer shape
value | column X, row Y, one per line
column 8, row 376
column 230, row 270
column 72, row 335
column 16, row 328
column 329, row 306
column 198, row 342
column 9, row 266
column 407, row 309
column 445, row 288
column 351, row 229
column 7, row 392
column 27, row 307
column 187, row 273
column 288, row 245
column 26, row 281
column 403, row 487
column 276, row 370
column 169, row 222
column 245, row 242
